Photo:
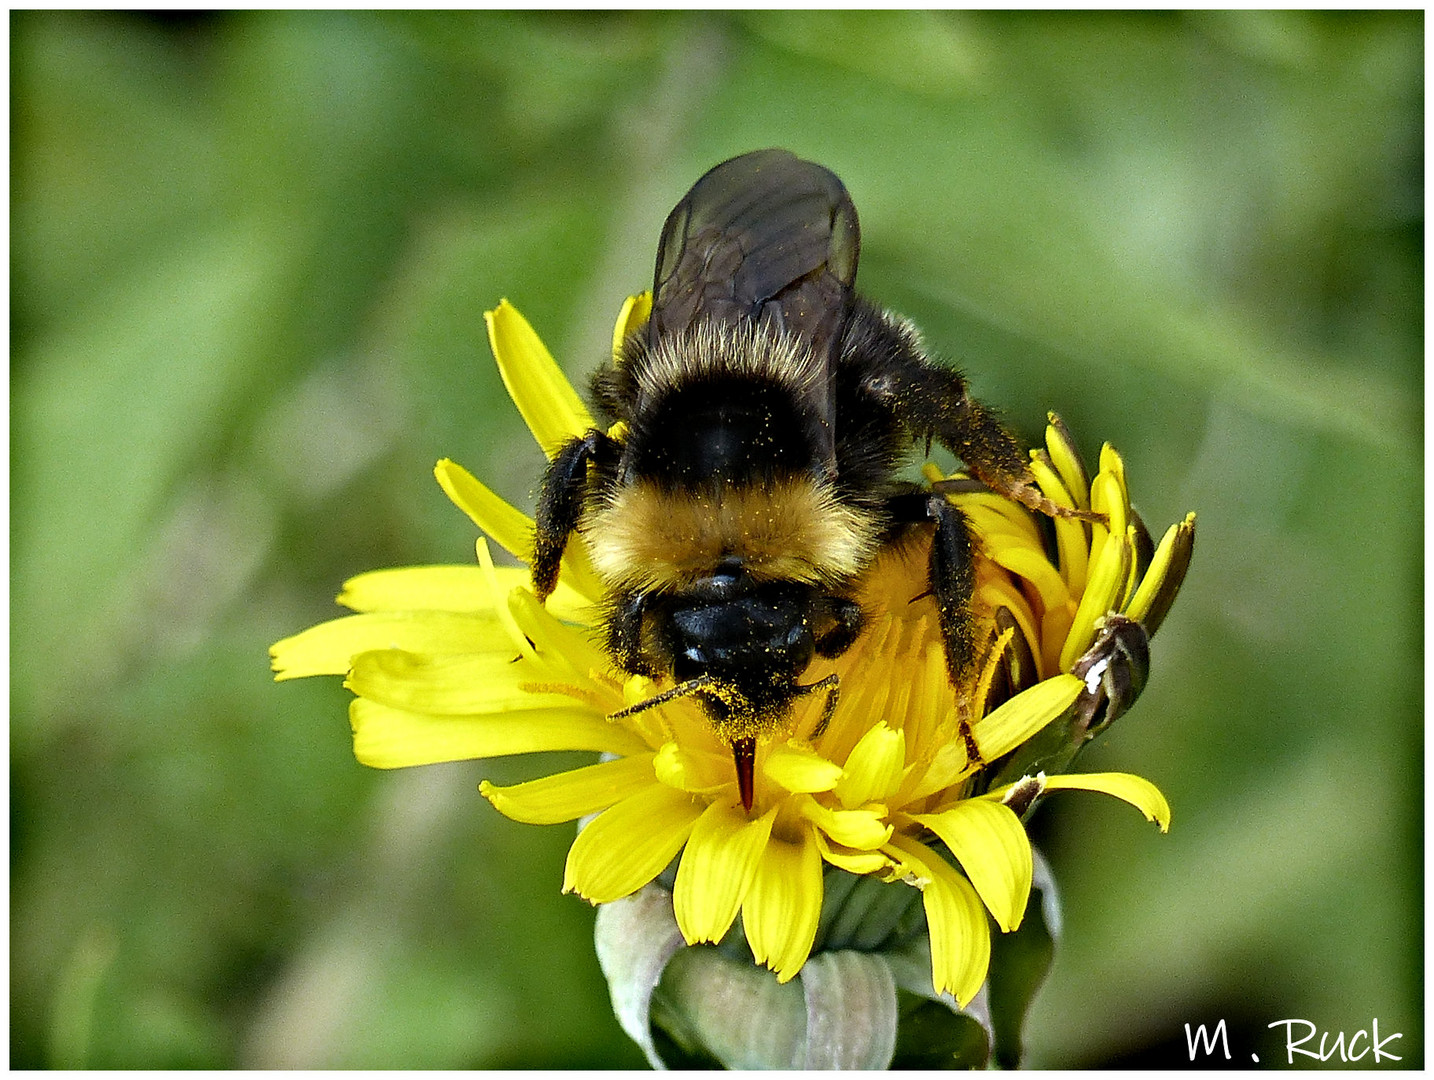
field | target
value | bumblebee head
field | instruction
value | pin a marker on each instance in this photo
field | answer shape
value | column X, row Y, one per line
column 739, row 645
column 754, row 639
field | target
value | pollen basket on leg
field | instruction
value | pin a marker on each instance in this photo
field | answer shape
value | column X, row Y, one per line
column 648, row 537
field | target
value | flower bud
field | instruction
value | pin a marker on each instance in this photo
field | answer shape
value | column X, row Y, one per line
column 1114, row 669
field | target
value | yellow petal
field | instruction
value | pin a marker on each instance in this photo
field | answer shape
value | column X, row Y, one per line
column 693, row 770
column 1108, row 573
column 955, row 920
column 1037, row 569
column 784, row 904
column 1113, row 464
column 329, row 648
column 848, row 859
column 567, row 796
column 991, row 846
column 1108, row 496
column 949, row 765
column 415, row 588
column 873, row 768
column 499, row 602
column 927, row 699
column 1049, row 481
column 796, row 768
column 863, row 829
column 993, row 516
column 464, row 589
column 717, row 869
column 629, row 844
column 1022, row 716
column 449, row 685
column 566, row 602
column 562, row 647
column 545, row 398
column 506, row 524
column 1164, row 575
column 389, row 738
column 990, row 667
column 1055, row 630
column 562, row 651
column 1066, row 458
column 1000, row 592
column 513, row 530
column 1136, row 790
column 634, row 314
column 1072, row 546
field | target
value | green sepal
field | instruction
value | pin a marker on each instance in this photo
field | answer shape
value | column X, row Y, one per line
column 862, row 912
column 636, row 937
column 863, row 1000
column 709, row 1009
column 712, row 1010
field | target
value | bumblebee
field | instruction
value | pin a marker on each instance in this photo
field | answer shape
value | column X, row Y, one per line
column 766, row 411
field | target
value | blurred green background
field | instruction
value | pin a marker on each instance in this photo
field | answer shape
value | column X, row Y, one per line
column 250, row 256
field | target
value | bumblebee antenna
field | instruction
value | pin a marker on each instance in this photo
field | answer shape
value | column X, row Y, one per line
column 681, row 690
column 744, row 747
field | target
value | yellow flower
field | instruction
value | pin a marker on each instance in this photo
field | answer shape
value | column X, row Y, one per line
column 460, row 662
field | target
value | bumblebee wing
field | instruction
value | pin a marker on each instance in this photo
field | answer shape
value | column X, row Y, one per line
column 764, row 236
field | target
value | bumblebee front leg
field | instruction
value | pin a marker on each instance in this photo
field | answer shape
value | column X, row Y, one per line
column 561, row 502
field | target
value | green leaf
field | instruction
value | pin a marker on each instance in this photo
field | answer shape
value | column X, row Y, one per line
column 933, row 1036
column 1020, row 962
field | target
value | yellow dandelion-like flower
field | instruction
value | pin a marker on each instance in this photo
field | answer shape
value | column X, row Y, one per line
column 909, row 779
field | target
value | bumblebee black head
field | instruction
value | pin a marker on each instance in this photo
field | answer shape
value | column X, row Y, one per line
column 757, row 643
column 739, row 646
